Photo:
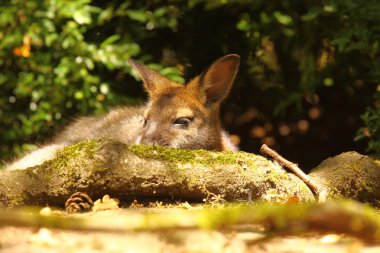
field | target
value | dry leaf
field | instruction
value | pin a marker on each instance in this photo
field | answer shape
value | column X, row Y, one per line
column 106, row 203
column 136, row 204
column 293, row 200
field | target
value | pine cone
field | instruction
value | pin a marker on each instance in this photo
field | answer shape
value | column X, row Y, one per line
column 79, row 202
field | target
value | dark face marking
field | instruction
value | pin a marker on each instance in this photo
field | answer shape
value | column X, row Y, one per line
column 164, row 99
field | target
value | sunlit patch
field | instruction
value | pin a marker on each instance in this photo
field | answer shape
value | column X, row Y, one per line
column 303, row 126
column 257, row 132
column 269, row 141
column 46, row 211
column 314, row 113
column 247, row 116
column 235, row 139
column 330, row 238
column 185, row 112
column 284, row 130
column 12, row 99
column 268, row 127
column 44, row 237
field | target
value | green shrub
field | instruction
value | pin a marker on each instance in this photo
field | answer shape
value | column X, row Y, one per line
column 371, row 129
column 57, row 59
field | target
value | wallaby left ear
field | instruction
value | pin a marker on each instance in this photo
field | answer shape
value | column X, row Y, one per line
column 153, row 81
column 217, row 80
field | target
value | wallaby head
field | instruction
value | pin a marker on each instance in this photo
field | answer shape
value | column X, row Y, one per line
column 186, row 116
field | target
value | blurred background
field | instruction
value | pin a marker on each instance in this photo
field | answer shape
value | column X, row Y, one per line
column 307, row 84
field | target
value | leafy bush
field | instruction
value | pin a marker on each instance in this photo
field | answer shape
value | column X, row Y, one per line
column 371, row 129
column 57, row 58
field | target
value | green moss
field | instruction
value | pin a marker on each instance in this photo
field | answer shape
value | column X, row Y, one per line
column 78, row 153
column 81, row 149
column 192, row 182
column 72, row 160
column 162, row 153
column 18, row 200
column 245, row 163
column 276, row 176
column 280, row 215
column 72, row 154
column 304, row 187
column 204, row 157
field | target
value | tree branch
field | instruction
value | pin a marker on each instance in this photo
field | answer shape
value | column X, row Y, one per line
column 321, row 193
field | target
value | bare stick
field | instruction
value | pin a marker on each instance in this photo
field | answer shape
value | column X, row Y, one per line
column 321, row 193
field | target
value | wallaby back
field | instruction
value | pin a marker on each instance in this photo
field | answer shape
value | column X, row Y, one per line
column 176, row 115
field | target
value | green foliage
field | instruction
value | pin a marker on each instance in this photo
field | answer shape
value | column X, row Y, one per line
column 371, row 129
column 54, row 64
column 59, row 59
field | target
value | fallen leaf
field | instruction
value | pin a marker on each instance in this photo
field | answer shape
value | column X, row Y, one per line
column 106, row 203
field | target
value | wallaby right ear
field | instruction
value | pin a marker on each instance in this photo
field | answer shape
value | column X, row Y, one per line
column 153, row 81
column 217, row 80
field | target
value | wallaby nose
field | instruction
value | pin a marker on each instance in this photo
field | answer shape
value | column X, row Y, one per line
column 154, row 139
column 153, row 135
column 147, row 141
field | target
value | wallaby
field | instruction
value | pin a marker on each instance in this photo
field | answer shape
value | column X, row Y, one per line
column 176, row 115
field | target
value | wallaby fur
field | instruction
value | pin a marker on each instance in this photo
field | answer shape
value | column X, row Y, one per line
column 176, row 115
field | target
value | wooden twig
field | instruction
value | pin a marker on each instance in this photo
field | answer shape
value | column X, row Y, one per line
column 319, row 191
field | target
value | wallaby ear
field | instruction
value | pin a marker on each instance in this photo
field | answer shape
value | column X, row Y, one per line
column 217, row 80
column 153, row 81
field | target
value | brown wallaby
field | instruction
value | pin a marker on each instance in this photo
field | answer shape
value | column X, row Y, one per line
column 176, row 115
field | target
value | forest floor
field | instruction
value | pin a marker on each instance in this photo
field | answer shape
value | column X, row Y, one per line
column 236, row 239
column 23, row 240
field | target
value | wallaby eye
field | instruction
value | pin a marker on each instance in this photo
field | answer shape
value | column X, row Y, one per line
column 145, row 121
column 183, row 121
